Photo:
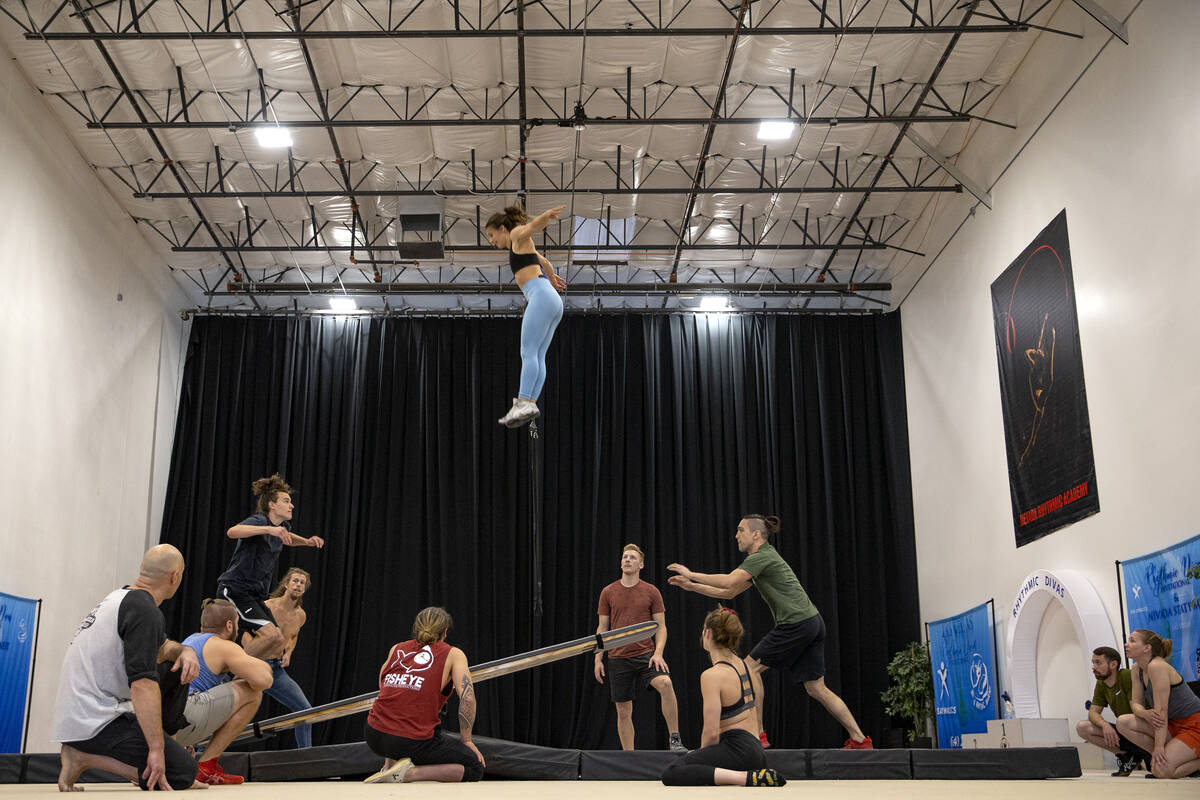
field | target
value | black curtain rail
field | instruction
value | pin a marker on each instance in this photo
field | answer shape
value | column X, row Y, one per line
column 512, row 313
column 609, row 192
column 545, row 248
column 510, row 33
column 761, row 289
column 514, row 121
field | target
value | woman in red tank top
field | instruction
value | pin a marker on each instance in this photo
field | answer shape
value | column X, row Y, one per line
column 414, row 684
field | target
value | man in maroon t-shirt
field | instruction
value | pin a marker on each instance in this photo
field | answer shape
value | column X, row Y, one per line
column 629, row 601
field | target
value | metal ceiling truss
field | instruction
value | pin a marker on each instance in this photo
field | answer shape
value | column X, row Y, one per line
column 774, row 175
column 509, row 288
column 813, row 234
column 168, row 109
column 215, row 25
column 372, row 236
column 904, row 129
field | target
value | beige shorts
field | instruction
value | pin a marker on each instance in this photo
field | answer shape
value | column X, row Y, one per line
column 205, row 713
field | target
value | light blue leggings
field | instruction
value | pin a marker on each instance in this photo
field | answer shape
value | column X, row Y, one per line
column 543, row 311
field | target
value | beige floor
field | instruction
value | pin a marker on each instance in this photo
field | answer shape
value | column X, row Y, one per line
column 1092, row 786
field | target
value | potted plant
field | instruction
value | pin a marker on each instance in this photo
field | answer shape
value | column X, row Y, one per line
column 911, row 694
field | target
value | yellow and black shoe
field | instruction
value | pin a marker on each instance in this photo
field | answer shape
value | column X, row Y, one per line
column 764, row 777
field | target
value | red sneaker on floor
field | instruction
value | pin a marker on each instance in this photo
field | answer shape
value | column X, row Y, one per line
column 212, row 774
column 762, row 737
column 865, row 744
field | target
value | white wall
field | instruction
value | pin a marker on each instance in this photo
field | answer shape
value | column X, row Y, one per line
column 1120, row 155
column 88, row 382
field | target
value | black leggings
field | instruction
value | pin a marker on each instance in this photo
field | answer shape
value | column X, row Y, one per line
column 438, row 749
column 737, row 750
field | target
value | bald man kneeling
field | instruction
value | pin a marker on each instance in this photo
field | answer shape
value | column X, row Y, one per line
column 109, row 710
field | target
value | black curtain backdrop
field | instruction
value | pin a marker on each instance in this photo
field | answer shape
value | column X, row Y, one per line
column 659, row 430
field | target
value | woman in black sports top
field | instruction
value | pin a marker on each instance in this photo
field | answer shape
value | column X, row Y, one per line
column 513, row 231
column 730, row 753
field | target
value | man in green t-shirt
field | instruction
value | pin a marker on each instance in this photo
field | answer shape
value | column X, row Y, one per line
column 1114, row 689
column 797, row 642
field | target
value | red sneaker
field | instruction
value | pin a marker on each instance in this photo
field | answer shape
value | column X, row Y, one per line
column 762, row 737
column 212, row 774
column 865, row 744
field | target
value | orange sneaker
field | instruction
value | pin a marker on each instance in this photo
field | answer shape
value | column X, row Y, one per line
column 212, row 774
column 762, row 737
column 865, row 744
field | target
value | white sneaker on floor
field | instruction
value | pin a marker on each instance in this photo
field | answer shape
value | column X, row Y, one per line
column 522, row 411
column 394, row 774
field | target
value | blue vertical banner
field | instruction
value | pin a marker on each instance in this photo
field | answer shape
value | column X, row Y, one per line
column 18, row 632
column 962, row 656
column 1162, row 593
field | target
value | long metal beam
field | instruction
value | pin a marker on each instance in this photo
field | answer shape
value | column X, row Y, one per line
column 964, row 180
column 158, row 145
column 510, row 33
column 479, row 673
column 970, row 7
column 558, row 248
column 767, row 289
column 518, row 311
column 343, row 169
column 710, row 129
column 1098, row 13
column 522, row 98
column 468, row 122
column 609, row 192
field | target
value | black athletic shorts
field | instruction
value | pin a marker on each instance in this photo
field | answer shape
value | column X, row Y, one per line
column 438, row 749
column 797, row 647
column 626, row 676
column 252, row 610
column 1132, row 750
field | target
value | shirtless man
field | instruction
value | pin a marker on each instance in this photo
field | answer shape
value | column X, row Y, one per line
column 285, row 605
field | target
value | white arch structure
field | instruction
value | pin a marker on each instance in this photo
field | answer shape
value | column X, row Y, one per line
column 1083, row 605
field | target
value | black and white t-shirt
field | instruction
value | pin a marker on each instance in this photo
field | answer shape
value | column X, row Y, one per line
column 116, row 645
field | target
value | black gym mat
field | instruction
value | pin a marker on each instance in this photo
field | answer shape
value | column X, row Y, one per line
column 515, row 761
column 859, row 765
column 999, row 764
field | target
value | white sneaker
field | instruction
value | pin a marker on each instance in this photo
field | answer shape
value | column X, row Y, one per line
column 394, row 774
column 522, row 411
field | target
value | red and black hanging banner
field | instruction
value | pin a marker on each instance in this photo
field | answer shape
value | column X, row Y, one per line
column 1051, row 471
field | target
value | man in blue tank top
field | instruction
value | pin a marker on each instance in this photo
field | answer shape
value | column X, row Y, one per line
column 217, row 707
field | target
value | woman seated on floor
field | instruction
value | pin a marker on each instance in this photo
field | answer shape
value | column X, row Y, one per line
column 730, row 753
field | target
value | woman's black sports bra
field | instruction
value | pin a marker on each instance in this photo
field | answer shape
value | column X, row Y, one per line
column 519, row 261
column 748, row 698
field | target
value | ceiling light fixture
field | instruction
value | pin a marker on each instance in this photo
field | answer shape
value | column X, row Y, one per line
column 715, row 303
column 343, row 305
column 770, row 129
column 273, row 136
